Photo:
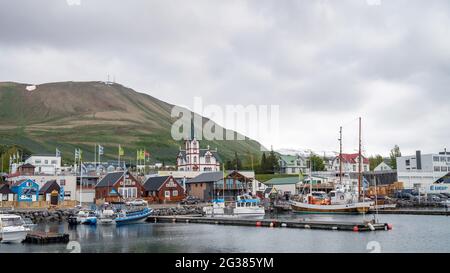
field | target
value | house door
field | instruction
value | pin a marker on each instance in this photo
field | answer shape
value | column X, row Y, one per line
column 167, row 194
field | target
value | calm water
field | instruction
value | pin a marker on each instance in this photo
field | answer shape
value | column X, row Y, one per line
column 410, row 234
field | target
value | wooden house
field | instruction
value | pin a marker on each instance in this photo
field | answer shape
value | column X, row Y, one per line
column 47, row 189
column 5, row 193
column 118, row 186
column 163, row 189
column 26, row 190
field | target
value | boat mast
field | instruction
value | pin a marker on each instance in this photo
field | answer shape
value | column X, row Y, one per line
column 360, row 160
column 340, row 155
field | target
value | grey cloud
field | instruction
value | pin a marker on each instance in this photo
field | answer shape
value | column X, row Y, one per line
column 316, row 59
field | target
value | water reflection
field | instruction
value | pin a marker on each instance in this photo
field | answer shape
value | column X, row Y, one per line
column 410, row 234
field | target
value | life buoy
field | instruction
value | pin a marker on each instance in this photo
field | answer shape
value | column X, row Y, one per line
column 342, row 197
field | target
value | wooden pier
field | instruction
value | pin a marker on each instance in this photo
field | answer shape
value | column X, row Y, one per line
column 274, row 223
column 414, row 212
column 35, row 237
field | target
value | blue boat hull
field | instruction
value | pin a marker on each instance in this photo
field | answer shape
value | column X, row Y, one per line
column 134, row 218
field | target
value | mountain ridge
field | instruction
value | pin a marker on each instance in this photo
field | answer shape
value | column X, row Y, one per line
column 67, row 115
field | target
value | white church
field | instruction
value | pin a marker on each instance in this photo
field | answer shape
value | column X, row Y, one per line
column 195, row 159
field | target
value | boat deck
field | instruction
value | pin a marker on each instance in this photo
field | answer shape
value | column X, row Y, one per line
column 273, row 223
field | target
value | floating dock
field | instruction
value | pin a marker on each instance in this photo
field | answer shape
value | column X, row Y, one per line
column 35, row 237
column 413, row 212
column 274, row 223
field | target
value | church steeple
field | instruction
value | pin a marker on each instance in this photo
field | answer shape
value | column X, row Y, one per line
column 192, row 130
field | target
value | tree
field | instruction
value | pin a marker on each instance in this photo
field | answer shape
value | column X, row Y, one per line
column 395, row 152
column 235, row 164
column 7, row 151
column 317, row 163
column 263, row 164
column 272, row 162
column 375, row 161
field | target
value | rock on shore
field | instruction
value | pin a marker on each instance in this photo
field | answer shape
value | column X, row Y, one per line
column 39, row 216
column 182, row 210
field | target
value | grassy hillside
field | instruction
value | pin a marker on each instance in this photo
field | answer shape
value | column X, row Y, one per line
column 71, row 115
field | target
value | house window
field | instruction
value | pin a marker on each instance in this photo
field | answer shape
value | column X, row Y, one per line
column 436, row 158
column 208, row 159
column 167, row 194
column 437, row 169
column 195, row 159
column 175, row 193
column 37, row 161
column 408, row 162
column 46, row 162
column 128, row 192
column 354, row 168
column 443, row 169
column 54, row 162
column 62, row 182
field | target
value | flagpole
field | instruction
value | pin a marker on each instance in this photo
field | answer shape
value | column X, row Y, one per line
column 81, row 182
column 95, row 157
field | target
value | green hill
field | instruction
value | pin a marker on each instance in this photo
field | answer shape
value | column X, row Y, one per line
column 69, row 115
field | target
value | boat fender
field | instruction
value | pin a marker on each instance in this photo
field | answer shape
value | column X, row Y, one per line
column 342, row 197
column 371, row 227
column 334, row 228
column 258, row 224
column 271, row 224
column 355, row 228
column 389, row 226
column 187, row 221
column 174, row 220
column 307, row 227
column 216, row 222
column 283, row 225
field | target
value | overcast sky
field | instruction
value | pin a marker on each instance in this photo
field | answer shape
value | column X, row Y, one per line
column 323, row 62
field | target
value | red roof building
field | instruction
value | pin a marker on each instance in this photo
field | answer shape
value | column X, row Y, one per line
column 350, row 163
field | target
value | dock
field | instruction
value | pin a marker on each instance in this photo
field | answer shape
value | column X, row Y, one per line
column 414, row 212
column 36, row 237
column 273, row 223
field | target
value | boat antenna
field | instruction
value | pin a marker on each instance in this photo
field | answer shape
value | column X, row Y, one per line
column 360, row 163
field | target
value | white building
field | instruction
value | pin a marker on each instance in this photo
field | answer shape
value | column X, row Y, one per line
column 45, row 164
column 383, row 167
column 193, row 158
column 421, row 170
column 350, row 163
column 292, row 164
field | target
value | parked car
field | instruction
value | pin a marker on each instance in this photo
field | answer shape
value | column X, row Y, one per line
column 137, row 202
column 433, row 198
column 403, row 195
column 446, row 194
column 190, row 200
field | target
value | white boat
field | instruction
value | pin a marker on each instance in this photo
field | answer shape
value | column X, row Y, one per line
column 338, row 201
column 86, row 217
column 12, row 229
column 107, row 217
column 245, row 205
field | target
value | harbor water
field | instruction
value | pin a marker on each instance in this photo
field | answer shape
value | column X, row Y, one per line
column 411, row 233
